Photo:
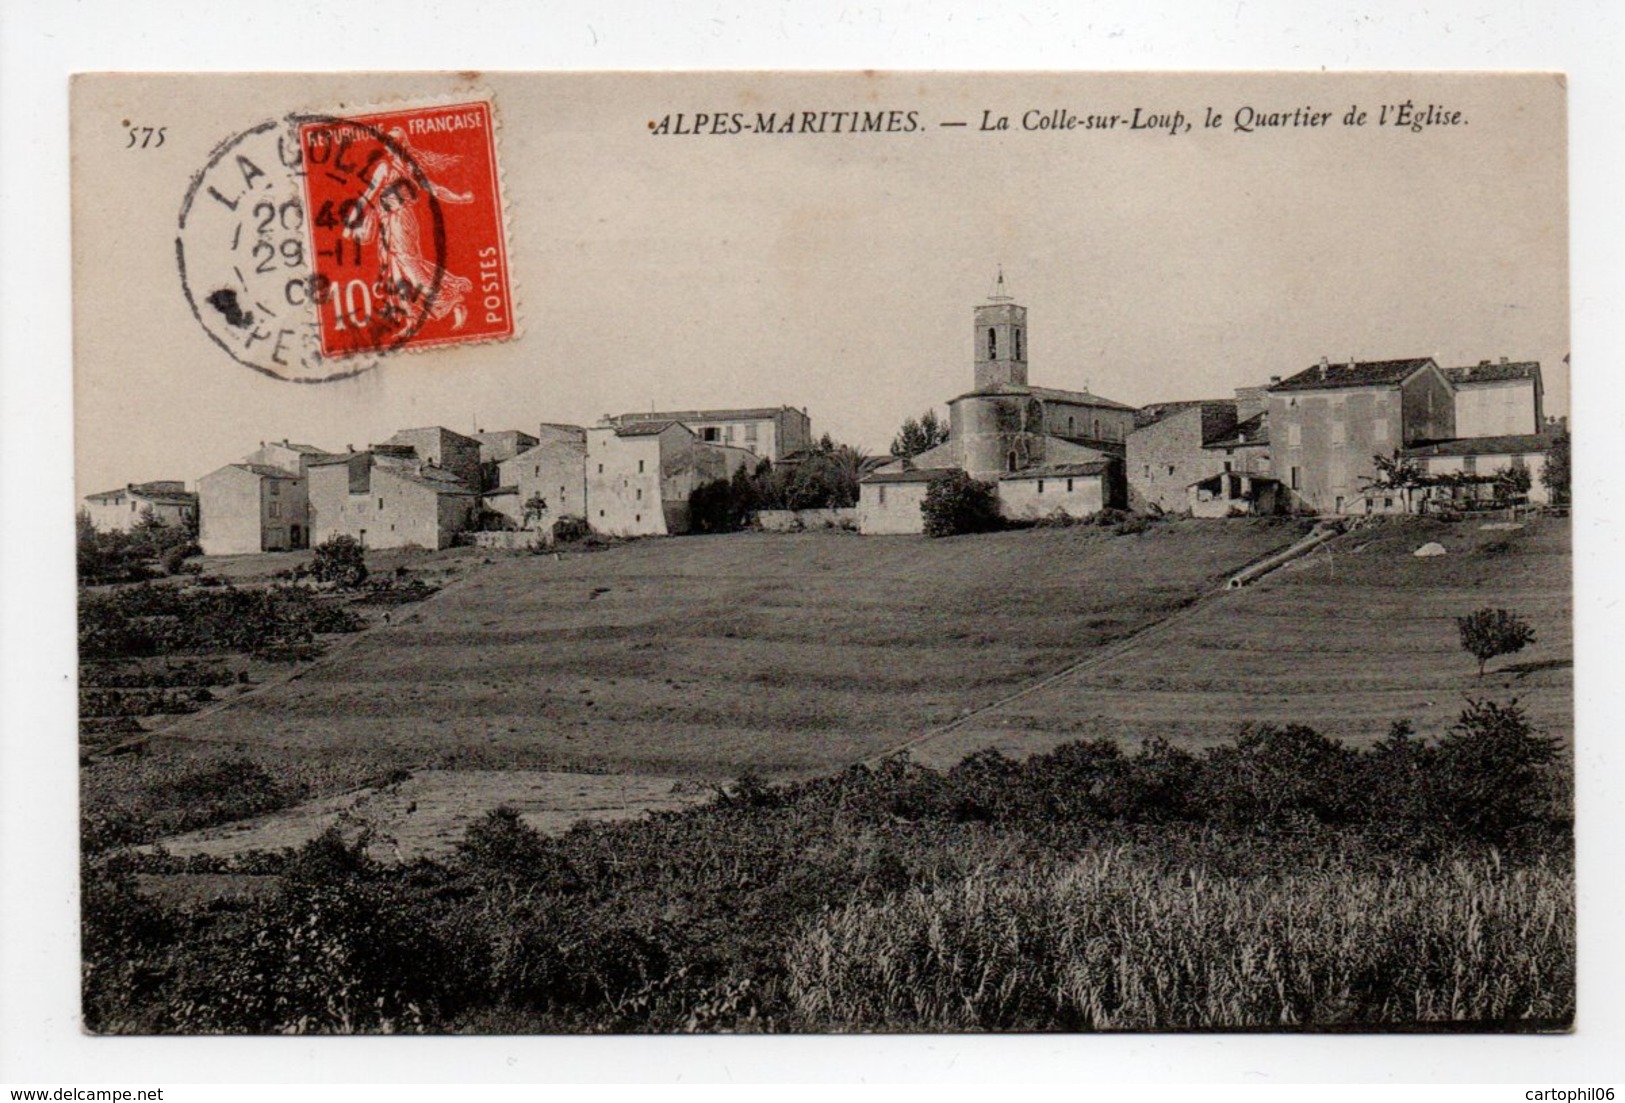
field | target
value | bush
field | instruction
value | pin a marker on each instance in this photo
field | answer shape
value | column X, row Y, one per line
column 956, row 504
column 1491, row 632
column 340, row 559
column 1493, row 775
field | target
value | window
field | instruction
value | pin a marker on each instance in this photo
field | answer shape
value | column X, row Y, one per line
column 1017, row 334
column 1379, row 429
column 380, row 503
column 538, row 469
column 882, row 495
column 1148, row 471
column 1069, row 486
column 561, row 492
column 1294, row 436
column 728, row 433
column 276, row 487
column 750, row 431
column 1297, row 483
column 637, row 518
column 1170, row 469
column 709, row 434
column 600, row 513
column 1228, row 466
column 1012, row 461
column 1469, row 464
column 1040, row 486
column 1097, row 428
column 1339, row 434
column 1387, row 503
column 640, row 494
column 275, row 509
column 1518, row 463
column 132, row 505
column 1069, row 429
column 992, row 344
column 600, row 469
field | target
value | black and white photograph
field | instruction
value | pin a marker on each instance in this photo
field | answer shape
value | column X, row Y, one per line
column 823, row 553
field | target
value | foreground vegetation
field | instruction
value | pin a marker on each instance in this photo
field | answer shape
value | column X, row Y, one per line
column 1279, row 880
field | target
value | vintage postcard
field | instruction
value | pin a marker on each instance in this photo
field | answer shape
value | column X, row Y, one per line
column 850, row 552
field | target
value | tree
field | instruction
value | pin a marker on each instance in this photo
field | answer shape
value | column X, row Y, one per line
column 535, row 509
column 955, row 503
column 1555, row 475
column 340, row 559
column 1491, row 632
column 919, row 436
column 1512, row 485
column 1396, row 473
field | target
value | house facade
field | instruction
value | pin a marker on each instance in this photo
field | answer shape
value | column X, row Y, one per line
column 1502, row 399
column 639, row 476
column 384, row 498
column 553, row 469
column 1179, row 444
column 121, row 510
column 768, row 432
column 1483, row 456
column 249, row 507
column 1327, row 422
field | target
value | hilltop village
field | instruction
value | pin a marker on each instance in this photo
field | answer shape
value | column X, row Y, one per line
column 1304, row 443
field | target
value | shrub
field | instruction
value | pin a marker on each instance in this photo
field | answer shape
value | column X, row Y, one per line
column 955, row 504
column 1492, row 776
column 1491, row 632
column 340, row 559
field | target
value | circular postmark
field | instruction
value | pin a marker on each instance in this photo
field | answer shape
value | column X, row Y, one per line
column 311, row 246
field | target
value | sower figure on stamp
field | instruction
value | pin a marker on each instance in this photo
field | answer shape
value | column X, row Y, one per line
column 391, row 218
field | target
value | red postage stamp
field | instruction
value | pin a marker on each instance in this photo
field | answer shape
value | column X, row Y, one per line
column 406, row 229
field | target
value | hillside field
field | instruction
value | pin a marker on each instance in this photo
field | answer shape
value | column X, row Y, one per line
column 706, row 656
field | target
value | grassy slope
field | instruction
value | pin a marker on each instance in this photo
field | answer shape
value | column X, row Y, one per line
column 704, row 656
column 1345, row 641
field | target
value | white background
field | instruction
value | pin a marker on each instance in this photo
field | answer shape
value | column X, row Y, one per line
column 40, row 1044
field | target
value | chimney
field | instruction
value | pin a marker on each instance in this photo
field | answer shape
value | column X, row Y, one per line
column 1274, row 380
column 284, row 442
column 349, row 447
column 1324, row 364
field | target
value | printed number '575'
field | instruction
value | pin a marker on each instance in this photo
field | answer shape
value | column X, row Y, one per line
column 146, row 136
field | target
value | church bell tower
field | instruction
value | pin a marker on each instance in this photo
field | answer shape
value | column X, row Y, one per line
column 1001, row 341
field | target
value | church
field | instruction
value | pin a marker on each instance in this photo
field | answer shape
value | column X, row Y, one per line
column 1045, row 450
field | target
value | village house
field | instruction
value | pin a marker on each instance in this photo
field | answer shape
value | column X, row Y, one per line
column 771, row 432
column 445, row 450
column 1484, row 456
column 291, row 457
column 252, row 507
column 554, row 469
column 639, row 476
column 1029, row 441
column 166, row 501
column 1328, row 422
column 495, row 449
column 1498, row 400
column 388, row 497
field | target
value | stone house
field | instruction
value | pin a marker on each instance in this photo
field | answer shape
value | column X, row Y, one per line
column 639, row 476
column 1498, row 400
column 1074, row 489
column 1482, row 456
column 252, row 507
column 1328, row 421
column 388, row 498
column 554, row 469
column 289, row 456
column 1178, row 448
column 497, row 447
column 769, row 432
column 444, row 449
column 168, row 501
column 889, row 501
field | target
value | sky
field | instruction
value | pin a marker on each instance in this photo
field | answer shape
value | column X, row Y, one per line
column 838, row 272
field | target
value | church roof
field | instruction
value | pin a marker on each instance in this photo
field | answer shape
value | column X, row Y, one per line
column 1051, row 394
column 916, row 475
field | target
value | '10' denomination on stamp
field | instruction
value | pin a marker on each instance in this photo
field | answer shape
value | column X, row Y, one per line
column 311, row 246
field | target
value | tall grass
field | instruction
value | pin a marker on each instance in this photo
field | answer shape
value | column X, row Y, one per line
column 1101, row 945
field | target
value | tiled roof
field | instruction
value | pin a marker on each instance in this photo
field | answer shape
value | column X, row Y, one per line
column 918, row 475
column 162, row 492
column 1486, row 372
column 1482, row 446
column 755, row 413
column 441, row 429
column 1161, row 411
column 501, row 490
column 1058, row 471
column 1254, row 431
column 266, row 470
column 335, row 457
column 438, row 481
column 1362, row 373
column 1214, row 478
column 645, row 428
column 1053, row 394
